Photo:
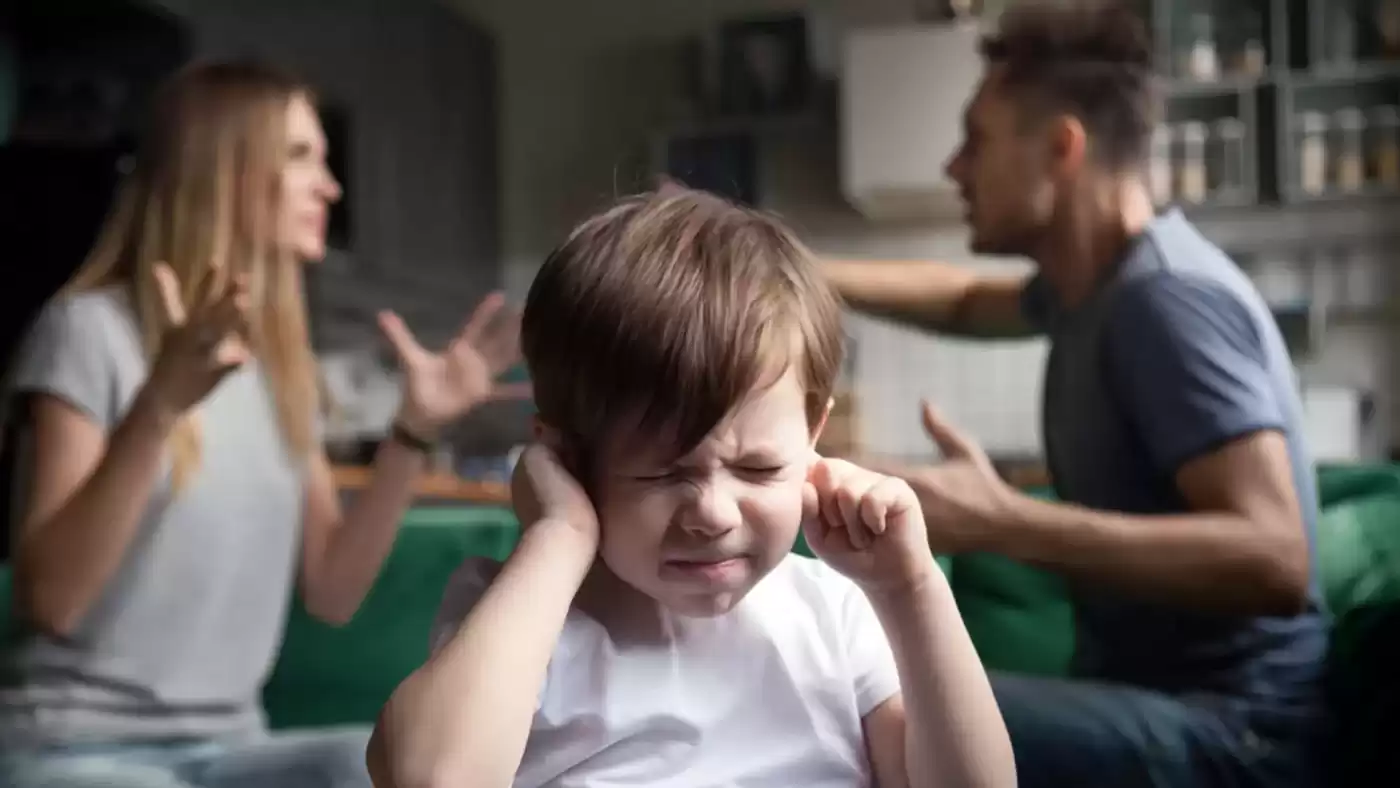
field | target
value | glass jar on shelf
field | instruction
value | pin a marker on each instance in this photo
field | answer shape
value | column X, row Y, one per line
column 1251, row 60
column 1159, row 173
column 1312, row 153
column 1340, row 34
column 1202, row 55
column 1384, row 147
column 1387, row 14
column 1226, row 172
column 1350, row 150
column 1192, row 179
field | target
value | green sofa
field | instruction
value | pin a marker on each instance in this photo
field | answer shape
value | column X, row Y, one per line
column 1017, row 615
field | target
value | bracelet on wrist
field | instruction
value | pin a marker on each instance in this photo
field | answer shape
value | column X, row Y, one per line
column 409, row 439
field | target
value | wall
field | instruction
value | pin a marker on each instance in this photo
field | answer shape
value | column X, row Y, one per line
column 578, row 113
column 418, row 81
column 584, row 85
column 577, row 125
column 419, row 85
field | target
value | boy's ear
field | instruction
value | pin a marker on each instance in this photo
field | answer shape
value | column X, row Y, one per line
column 544, row 433
column 549, row 436
column 821, row 422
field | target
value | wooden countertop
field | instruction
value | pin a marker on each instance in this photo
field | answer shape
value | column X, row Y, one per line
column 441, row 486
column 450, row 487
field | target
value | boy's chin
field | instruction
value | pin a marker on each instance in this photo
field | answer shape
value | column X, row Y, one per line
column 704, row 605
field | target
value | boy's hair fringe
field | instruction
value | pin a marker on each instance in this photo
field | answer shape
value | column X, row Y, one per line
column 661, row 314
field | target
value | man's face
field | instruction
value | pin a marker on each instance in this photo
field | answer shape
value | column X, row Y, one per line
column 1003, row 171
column 698, row 533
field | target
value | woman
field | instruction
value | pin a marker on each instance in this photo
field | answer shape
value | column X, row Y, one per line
column 177, row 485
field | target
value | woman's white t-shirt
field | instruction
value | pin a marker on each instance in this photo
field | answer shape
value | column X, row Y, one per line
column 772, row 693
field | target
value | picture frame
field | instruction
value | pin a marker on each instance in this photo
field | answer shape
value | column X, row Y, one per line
column 765, row 66
column 721, row 163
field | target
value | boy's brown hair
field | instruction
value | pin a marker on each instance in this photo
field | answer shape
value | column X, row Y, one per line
column 665, row 311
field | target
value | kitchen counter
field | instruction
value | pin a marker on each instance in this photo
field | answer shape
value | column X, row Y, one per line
column 438, row 486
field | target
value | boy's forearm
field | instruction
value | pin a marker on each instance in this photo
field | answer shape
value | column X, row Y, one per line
column 463, row 718
column 954, row 733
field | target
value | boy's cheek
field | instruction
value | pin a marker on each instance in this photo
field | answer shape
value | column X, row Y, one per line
column 624, row 515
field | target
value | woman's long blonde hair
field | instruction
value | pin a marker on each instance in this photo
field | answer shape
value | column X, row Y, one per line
column 203, row 198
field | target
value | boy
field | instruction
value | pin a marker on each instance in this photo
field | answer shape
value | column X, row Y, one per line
column 651, row 627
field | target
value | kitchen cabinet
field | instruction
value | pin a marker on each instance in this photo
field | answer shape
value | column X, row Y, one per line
column 1314, row 87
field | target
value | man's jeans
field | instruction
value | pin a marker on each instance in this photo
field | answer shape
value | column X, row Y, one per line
column 312, row 759
column 1069, row 733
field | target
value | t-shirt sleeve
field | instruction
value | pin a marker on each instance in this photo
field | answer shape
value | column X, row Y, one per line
column 1188, row 359
column 65, row 355
column 868, row 651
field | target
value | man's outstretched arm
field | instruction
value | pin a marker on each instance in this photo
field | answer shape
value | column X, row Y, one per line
column 938, row 297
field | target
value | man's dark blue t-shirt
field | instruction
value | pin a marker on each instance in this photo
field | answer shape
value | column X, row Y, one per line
column 1175, row 355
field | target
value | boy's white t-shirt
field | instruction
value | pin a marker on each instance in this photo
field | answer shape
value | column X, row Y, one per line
column 770, row 694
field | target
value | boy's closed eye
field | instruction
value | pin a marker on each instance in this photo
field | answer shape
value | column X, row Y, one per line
column 753, row 469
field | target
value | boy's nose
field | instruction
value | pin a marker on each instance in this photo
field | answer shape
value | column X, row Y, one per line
column 715, row 511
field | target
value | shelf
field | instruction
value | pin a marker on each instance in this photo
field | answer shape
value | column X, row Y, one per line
column 1297, row 80
column 1217, row 206
column 1319, row 16
column 1229, row 87
column 443, row 486
column 1329, row 76
column 1173, row 29
column 1360, row 315
column 1328, row 92
column 1377, row 199
column 1288, row 227
column 1322, row 315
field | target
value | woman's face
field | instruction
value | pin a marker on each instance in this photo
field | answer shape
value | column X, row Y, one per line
column 308, row 187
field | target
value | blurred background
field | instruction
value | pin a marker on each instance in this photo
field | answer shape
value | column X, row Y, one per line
column 471, row 134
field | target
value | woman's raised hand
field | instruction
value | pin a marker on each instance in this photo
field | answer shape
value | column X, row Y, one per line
column 203, row 342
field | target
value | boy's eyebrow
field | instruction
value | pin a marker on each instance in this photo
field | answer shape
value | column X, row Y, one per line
column 766, row 453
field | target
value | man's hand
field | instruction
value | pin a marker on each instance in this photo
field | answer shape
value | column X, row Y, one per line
column 962, row 497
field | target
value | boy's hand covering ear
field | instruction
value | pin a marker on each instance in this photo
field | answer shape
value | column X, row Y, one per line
column 541, row 488
column 867, row 526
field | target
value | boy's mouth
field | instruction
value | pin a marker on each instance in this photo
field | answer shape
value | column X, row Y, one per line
column 714, row 569
column 701, row 561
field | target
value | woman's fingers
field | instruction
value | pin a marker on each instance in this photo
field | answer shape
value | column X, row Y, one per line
column 172, row 305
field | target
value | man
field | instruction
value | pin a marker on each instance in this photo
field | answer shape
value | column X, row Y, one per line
column 1171, row 431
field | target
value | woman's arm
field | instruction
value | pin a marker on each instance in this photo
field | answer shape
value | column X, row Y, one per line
column 342, row 552
column 89, row 489
column 87, row 494
column 463, row 718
